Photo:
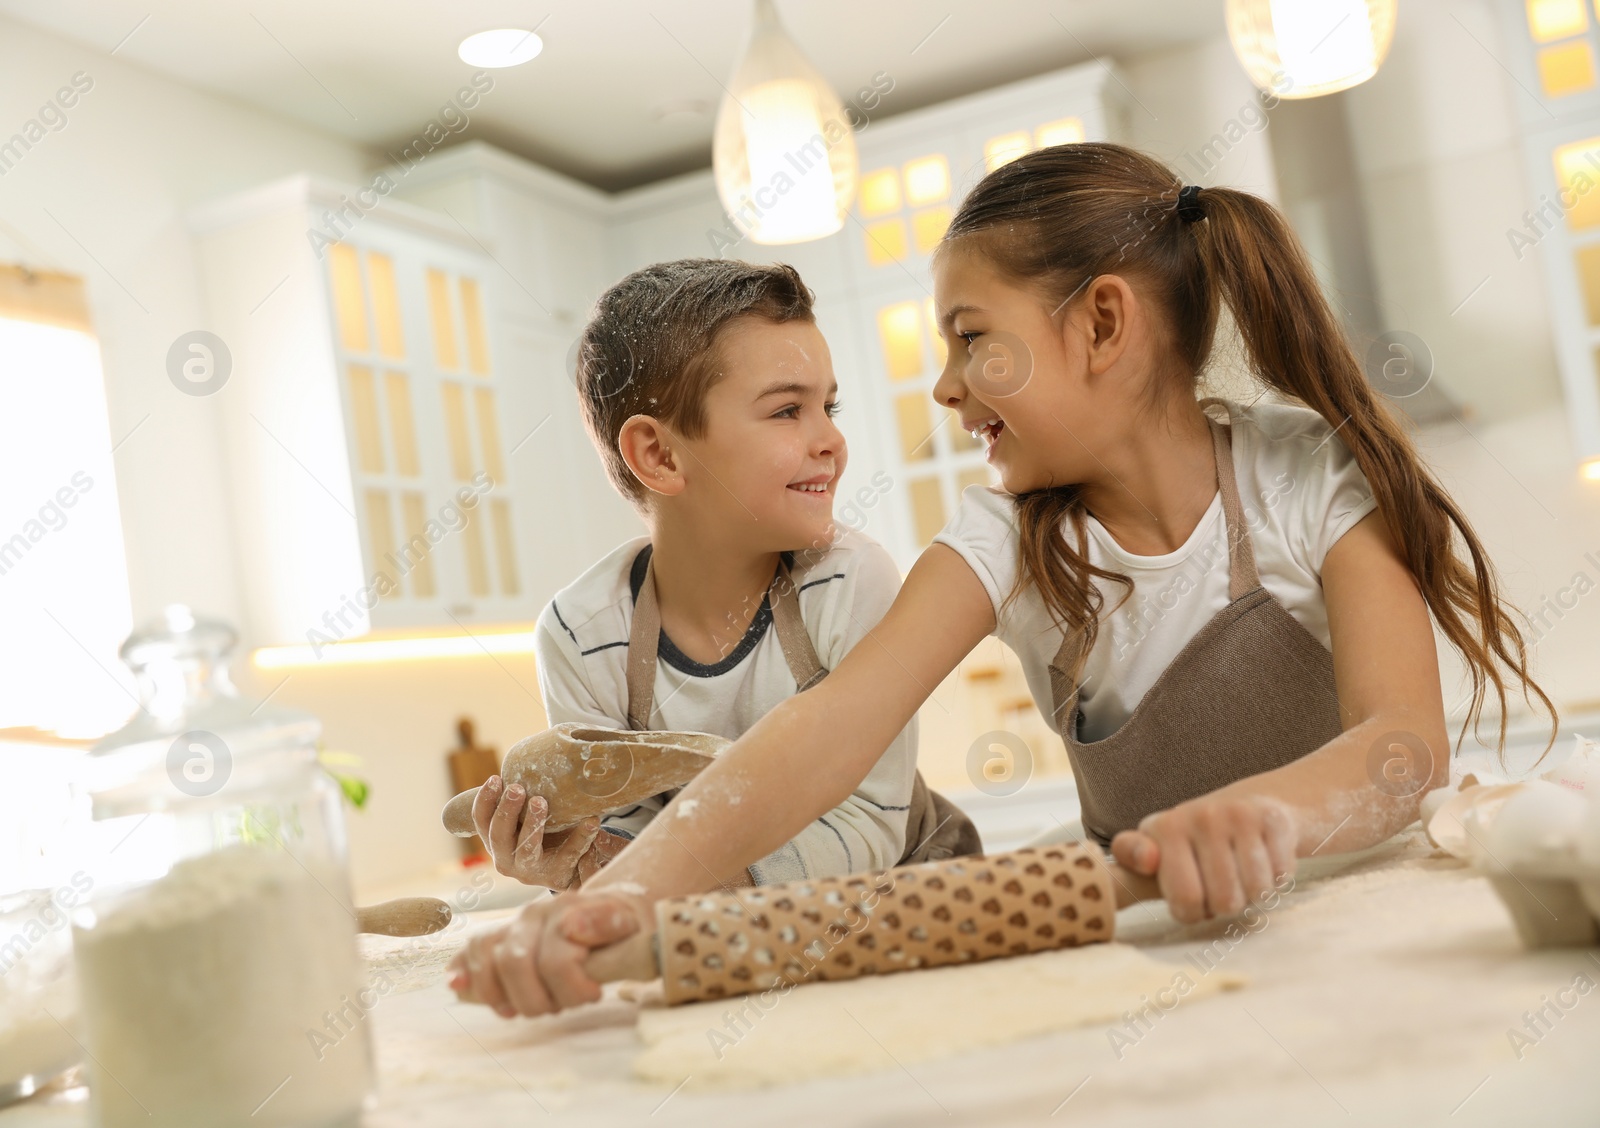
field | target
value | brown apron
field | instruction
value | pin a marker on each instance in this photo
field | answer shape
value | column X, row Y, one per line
column 1251, row 691
column 935, row 827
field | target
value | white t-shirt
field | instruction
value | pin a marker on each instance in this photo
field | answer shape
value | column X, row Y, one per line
column 1301, row 491
column 581, row 643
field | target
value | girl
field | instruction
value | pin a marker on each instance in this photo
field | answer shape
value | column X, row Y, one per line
column 1227, row 615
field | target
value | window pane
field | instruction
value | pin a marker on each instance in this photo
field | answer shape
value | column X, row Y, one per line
column 455, row 426
column 349, row 304
column 1572, row 163
column 380, row 535
column 1068, row 131
column 444, row 325
column 927, row 509
column 929, row 227
column 417, row 553
column 477, row 339
column 402, row 428
column 927, row 180
column 880, row 193
column 886, row 242
column 56, row 452
column 916, row 426
column 1589, row 281
column 1004, row 149
column 901, row 335
column 1555, row 19
column 364, row 413
column 505, row 545
column 472, row 546
column 386, row 305
column 489, row 434
column 1566, row 69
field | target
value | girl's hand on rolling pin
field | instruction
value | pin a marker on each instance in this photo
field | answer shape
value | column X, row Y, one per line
column 1215, row 854
column 561, row 860
column 534, row 964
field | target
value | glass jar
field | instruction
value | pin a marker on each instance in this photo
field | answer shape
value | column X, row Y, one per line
column 38, row 1003
column 216, row 956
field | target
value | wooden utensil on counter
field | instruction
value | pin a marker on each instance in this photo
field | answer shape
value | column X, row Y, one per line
column 407, row 916
column 961, row 910
column 583, row 770
column 470, row 766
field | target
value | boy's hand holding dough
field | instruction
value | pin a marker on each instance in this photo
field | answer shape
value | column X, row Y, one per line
column 511, row 825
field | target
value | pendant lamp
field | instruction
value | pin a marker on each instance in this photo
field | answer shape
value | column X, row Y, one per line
column 1306, row 48
column 784, row 153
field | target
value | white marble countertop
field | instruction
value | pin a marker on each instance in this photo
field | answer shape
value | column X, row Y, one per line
column 1383, row 995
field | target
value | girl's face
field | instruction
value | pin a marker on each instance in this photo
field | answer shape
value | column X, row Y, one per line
column 1046, row 389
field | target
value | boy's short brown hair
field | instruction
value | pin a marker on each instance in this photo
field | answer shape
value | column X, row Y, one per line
column 650, row 348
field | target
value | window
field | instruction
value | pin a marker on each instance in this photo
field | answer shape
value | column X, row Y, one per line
column 64, row 605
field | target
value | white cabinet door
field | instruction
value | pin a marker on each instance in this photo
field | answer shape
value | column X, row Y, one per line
column 422, row 389
column 365, row 417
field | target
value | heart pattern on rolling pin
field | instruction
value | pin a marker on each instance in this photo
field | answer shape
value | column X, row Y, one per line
column 960, row 910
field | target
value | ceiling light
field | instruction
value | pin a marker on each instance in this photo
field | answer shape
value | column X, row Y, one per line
column 504, row 47
column 784, row 153
column 1305, row 48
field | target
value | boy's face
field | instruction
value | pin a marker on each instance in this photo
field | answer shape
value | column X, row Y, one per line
column 770, row 457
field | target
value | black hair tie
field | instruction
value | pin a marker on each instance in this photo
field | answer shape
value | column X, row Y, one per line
column 1190, row 209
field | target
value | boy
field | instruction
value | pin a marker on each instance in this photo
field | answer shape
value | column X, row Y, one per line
column 709, row 392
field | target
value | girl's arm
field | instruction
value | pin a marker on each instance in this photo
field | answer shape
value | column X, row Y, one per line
column 1219, row 850
column 809, row 754
column 799, row 761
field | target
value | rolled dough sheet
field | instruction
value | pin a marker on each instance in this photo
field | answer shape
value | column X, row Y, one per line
column 884, row 1021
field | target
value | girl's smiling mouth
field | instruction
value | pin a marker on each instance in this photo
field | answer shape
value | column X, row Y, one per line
column 986, row 429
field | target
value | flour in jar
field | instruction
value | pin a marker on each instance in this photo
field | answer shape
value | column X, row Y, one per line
column 207, row 994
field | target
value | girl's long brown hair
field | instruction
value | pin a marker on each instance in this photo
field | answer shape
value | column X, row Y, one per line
column 1058, row 217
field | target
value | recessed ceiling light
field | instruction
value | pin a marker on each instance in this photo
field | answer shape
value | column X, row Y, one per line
column 504, row 47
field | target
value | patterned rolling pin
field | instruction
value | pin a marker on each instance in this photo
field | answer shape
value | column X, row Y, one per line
column 963, row 910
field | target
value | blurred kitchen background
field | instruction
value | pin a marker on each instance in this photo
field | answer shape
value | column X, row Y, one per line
column 275, row 282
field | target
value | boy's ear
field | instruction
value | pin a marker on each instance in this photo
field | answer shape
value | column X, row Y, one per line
column 647, row 447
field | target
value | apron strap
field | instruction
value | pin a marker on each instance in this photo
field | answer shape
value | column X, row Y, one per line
column 783, row 597
column 1242, row 575
column 643, row 638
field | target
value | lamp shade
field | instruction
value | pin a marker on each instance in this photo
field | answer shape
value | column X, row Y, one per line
column 784, row 153
column 1306, row 48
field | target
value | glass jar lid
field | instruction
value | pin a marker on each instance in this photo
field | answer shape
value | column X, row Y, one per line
column 194, row 738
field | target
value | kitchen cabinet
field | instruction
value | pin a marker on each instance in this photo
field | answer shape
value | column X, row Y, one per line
column 364, row 390
column 1552, row 59
column 915, row 170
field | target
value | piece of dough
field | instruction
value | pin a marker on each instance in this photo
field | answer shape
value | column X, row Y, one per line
column 883, row 1021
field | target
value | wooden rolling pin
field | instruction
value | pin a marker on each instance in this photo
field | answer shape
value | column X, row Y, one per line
column 961, row 910
column 407, row 916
